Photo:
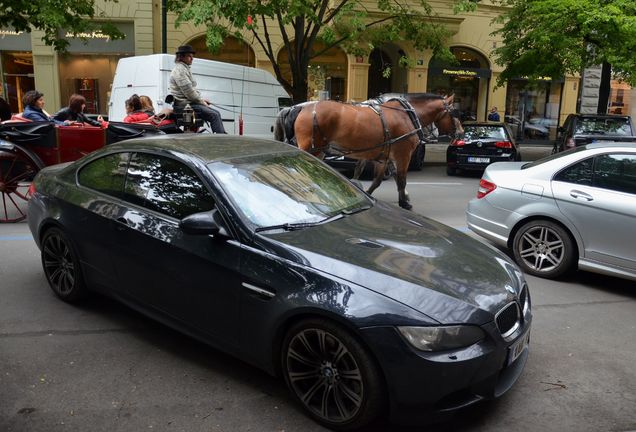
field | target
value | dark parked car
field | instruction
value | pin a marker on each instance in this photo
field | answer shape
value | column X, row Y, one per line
column 265, row 252
column 483, row 143
column 347, row 165
column 581, row 129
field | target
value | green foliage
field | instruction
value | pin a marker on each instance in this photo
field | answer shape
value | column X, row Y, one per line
column 552, row 38
column 53, row 16
column 356, row 27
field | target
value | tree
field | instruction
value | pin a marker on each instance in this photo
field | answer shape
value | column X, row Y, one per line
column 309, row 28
column 53, row 16
column 553, row 38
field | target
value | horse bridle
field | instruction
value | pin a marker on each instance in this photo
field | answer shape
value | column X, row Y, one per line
column 447, row 111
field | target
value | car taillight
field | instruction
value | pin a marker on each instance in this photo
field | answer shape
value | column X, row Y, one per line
column 31, row 190
column 458, row 143
column 503, row 144
column 485, row 187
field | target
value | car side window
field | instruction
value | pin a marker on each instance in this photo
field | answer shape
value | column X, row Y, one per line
column 165, row 185
column 106, row 174
column 616, row 172
column 580, row 173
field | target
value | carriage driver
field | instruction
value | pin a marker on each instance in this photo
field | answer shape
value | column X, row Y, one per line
column 183, row 88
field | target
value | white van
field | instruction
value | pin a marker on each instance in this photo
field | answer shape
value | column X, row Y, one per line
column 232, row 89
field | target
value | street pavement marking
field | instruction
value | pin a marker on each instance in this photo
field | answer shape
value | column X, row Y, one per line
column 16, row 237
column 435, row 183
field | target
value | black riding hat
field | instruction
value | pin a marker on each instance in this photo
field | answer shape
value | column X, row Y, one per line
column 185, row 49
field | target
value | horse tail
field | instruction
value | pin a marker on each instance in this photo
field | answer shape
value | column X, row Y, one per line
column 279, row 125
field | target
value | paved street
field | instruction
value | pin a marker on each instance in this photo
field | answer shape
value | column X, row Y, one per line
column 103, row 367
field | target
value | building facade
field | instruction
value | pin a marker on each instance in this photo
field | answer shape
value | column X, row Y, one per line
column 88, row 67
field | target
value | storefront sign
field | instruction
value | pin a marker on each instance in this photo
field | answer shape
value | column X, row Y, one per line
column 97, row 42
column 461, row 72
column 11, row 40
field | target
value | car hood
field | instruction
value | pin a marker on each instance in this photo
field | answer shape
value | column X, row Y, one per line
column 426, row 265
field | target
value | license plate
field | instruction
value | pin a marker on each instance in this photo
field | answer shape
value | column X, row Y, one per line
column 478, row 160
column 515, row 350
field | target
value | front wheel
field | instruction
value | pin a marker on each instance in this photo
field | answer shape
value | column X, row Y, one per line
column 543, row 248
column 61, row 266
column 332, row 375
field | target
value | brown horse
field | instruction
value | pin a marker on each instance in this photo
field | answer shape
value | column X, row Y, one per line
column 382, row 129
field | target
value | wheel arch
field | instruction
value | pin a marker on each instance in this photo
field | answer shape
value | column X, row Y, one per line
column 303, row 315
column 568, row 230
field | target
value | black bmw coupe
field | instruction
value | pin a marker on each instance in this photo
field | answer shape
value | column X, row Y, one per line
column 267, row 253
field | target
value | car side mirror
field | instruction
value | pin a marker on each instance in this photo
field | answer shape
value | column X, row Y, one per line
column 200, row 224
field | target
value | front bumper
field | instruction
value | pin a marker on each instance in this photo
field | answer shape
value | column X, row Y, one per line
column 423, row 385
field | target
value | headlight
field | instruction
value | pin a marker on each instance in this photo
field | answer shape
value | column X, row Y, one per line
column 442, row 338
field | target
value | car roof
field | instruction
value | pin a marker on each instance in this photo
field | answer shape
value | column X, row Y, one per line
column 207, row 147
column 601, row 116
column 627, row 145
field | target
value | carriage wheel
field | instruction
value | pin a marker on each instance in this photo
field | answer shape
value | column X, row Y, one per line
column 16, row 173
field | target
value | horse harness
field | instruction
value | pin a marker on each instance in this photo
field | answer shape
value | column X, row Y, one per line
column 376, row 104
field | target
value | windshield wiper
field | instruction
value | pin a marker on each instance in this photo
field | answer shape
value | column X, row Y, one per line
column 288, row 226
column 355, row 210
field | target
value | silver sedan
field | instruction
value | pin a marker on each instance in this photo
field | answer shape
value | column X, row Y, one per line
column 569, row 210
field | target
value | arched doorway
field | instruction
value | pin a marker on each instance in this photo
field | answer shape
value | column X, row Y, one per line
column 233, row 51
column 467, row 80
column 327, row 73
column 383, row 59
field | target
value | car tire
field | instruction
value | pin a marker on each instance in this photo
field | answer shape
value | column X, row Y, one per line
column 332, row 375
column 451, row 171
column 545, row 249
column 417, row 158
column 62, row 266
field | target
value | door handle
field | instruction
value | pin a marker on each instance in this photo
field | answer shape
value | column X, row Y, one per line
column 581, row 195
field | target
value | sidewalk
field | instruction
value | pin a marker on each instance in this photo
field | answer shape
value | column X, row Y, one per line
column 436, row 153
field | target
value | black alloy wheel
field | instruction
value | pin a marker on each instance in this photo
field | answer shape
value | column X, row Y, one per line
column 332, row 375
column 543, row 248
column 61, row 266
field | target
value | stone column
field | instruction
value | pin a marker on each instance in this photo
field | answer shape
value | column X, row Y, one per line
column 417, row 79
column 358, row 82
column 590, row 89
column 46, row 73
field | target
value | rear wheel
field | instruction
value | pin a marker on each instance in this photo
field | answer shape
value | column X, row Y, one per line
column 417, row 158
column 332, row 375
column 16, row 173
column 61, row 266
column 543, row 248
column 451, row 171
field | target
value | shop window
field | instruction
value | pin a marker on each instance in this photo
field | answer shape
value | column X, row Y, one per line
column 327, row 69
column 618, row 102
column 17, row 78
column 532, row 112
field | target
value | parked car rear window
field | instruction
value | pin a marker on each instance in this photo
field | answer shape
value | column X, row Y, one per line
column 603, row 126
column 484, row 132
column 106, row 174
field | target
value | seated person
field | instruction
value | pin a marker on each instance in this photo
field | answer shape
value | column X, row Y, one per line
column 134, row 110
column 74, row 112
column 33, row 102
column 146, row 105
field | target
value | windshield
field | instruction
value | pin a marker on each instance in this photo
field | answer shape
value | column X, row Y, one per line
column 603, row 126
column 286, row 188
column 484, row 132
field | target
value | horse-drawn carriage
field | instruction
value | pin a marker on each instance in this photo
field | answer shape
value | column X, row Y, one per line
column 26, row 147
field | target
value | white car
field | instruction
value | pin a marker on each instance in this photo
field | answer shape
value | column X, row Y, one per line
column 573, row 209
